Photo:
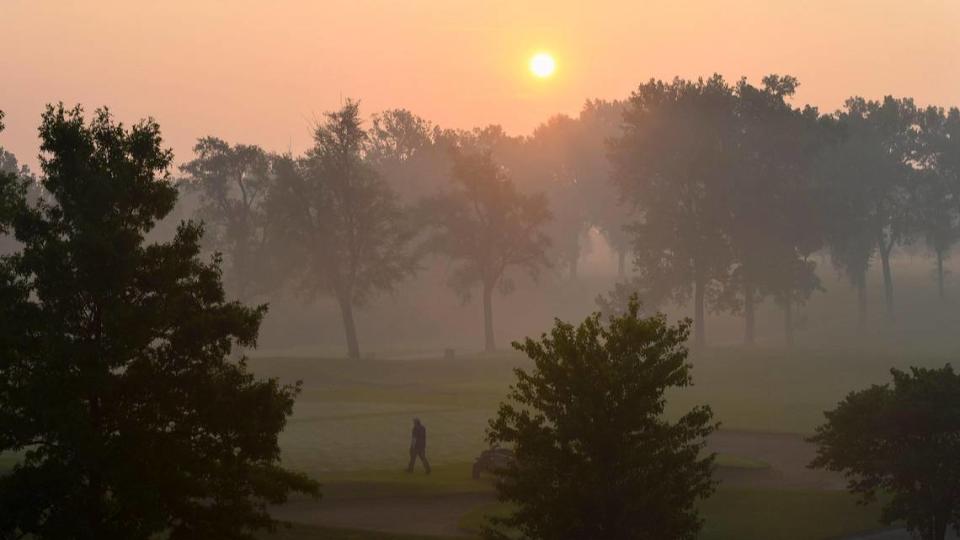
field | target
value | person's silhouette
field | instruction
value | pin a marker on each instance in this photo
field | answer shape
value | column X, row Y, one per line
column 418, row 446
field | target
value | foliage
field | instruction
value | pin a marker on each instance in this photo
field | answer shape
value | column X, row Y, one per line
column 670, row 163
column 486, row 227
column 114, row 378
column 595, row 456
column 233, row 182
column 900, row 440
column 346, row 234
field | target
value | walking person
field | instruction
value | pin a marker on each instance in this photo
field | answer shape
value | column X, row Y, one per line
column 418, row 446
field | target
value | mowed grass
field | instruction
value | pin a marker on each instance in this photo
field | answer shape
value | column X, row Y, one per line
column 738, row 514
column 357, row 415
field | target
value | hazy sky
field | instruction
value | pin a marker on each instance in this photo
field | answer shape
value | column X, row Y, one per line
column 261, row 71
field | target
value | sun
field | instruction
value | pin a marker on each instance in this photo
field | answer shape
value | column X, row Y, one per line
column 542, row 65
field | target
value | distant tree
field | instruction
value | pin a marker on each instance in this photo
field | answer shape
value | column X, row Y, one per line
column 901, row 441
column 233, row 182
column 114, row 378
column 409, row 153
column 936, row 203
column 553, row 148
column 670, row 162
column 17, row 184
column 570, row 165
column 596, row 457
column 870, row 186
column 486, row 227
column 345, row 232
column 769, row 202
column 10, row 189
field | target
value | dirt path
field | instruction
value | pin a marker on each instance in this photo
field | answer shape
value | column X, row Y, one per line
column 787, row 455
column 433, row 515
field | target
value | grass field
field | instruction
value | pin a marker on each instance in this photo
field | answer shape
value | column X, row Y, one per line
column 356, row 415
column 351, row 427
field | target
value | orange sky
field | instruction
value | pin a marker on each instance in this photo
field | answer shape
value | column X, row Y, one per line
column 261, row 71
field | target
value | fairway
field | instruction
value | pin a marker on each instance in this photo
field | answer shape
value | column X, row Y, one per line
column 351, row 430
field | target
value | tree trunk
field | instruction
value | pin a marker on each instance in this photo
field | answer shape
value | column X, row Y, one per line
column 862, row 303
column 349, row 327
column 788, row 322
column 749, row 312
column 943, row 295
column 621, row 262
column 699, row 323
column 488, row 344
column 887, row 279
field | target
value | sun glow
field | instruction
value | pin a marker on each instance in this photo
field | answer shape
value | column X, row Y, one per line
column 542, row 65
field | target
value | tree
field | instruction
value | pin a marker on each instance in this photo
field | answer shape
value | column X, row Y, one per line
column 670, row 162
column 486, row 227
column 233, row 182
column 10, row 189
column 769, row 202
column 595, row 457
column 114, row 378
column 870, row 186
column 900, row 441
column 347, row 235
column 938, row 188
column 409, row 153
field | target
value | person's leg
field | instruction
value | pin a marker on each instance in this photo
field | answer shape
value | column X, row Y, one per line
column 413, row 460
column 423, row 458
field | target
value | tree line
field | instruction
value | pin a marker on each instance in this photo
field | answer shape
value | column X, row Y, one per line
column 715, row 195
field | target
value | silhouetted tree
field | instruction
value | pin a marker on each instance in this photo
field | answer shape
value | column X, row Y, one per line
column 486, row 227
column 671, row 162
column 409, row 153
column 114, row 378
column 870, row 187
column 17, row 184
column 769, row 201
column 595, row 455
column 938, row 187
column 233, row 182
column 900, row 441
column 346, row 234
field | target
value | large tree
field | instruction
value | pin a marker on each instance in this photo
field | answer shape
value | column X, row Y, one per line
column 769, row 201
column 409, row 153
column 486, row 226
column 937, row 193
column 346, row 234
column 901, row 442
column 670, row 162
column 232, row 182
column 595, row 455
column 869, row 186
column 115, row 382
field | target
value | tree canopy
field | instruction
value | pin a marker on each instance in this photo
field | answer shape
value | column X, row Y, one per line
column 595, row 456
column 900, row 441
column 486, row 226
column 345, row 233
column 115, row 382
